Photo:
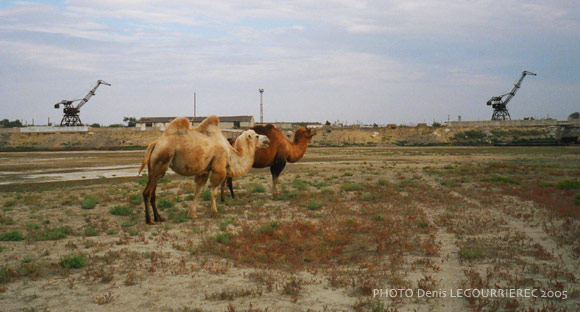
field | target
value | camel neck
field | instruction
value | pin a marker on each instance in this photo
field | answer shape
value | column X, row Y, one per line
column 297, row 149
column 241, row 160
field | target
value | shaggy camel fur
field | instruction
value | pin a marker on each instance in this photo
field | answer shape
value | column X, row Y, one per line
column 278, row 153
column 197, row 152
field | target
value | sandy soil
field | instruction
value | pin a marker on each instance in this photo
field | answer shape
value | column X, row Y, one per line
column 352, row 225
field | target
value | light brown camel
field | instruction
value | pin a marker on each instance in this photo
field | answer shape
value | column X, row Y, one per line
column 278, row 153
column 197, row 152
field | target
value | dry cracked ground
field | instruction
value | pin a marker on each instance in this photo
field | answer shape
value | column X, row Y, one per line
column 355, row 229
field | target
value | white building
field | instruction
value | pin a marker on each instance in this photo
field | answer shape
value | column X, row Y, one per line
column 226, row 122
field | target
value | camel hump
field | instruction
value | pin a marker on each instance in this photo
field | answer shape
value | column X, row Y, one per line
column 264, row 130
column 209, row 124
column 178, row 125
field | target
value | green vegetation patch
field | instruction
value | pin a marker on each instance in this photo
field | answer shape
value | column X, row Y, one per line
column 224, row 224
column 89, row 202
column 177, row 216
column 258, row 188
column 11, row 236
column 8, row 205
column 50, row 233
column 224, row 238
column 90, row 231
column 136, row 199
column 349, row 187
column 286, row 195
column 300, row 184
column 73, row 261
column 315, row 204
column 471, row 252
column 383, row 182
column 165, row 203
column 470, row 137
column 569, row 185
column 205, row 195
column 121, row 211
column 500, row 179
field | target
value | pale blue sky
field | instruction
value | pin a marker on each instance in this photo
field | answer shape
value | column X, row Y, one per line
column 380, row 62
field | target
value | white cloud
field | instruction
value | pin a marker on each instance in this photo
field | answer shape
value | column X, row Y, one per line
column 52, row 56
column 339, row 51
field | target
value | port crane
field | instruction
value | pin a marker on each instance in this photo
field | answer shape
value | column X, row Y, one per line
column 71, row 113
column 499, row 103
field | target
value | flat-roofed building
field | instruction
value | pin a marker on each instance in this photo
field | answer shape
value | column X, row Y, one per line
column 226, row 122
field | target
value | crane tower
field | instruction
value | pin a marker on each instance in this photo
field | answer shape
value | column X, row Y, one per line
column 500, row 102
column 71, row 113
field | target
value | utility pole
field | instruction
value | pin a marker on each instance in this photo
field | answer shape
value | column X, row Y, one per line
column 194, row 105
column 261, row 106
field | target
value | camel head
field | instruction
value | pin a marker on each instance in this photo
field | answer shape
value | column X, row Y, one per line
column 254, row 139
column 304, row 132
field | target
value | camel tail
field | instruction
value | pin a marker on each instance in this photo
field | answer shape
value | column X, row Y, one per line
column 147, row 155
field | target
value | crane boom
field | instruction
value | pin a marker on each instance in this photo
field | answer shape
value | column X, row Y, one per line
column 518, row 84
column 91, row 93
column 71, row 113
column 499, row 103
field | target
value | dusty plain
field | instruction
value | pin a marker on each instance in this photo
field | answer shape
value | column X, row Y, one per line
column 351, row 224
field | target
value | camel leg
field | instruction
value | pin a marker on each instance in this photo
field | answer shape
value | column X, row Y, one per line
column 199, row 183
column 156, row 169
column 156, row 215
column 216, row 180
column 276, row 169
column 214, row 191
column 149, row 197
column 218, row 176
column 222, row 190
column 231, row 186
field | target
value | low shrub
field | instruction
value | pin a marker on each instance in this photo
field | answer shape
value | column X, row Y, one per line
column 90, row 231
column 224, row 238
column 569, row 185
column 286, row 195
column 164, row 204
column 500, row 179
column 314, row 204
column 135, row 199
column 6, row 274
column 51, row 233
column 74, row 261
column 177, row 216
column 299, row 184
column 205, row 195
column 121, row 211
column 352, row 187
column 89, row 202
column 258, row 188
column 470, row 253
column 11, row 236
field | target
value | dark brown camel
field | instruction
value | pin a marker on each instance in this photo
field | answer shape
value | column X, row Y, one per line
column 278, row 153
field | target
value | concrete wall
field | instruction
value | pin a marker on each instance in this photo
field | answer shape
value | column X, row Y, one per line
column 512, row 123
column 54, row 129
